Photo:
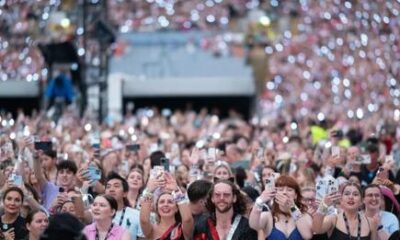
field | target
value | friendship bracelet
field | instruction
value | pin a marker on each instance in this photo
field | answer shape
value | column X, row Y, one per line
column 322, row 208
column 295, row 212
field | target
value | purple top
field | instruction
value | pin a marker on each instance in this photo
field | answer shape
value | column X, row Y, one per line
column 115, row 233
column 49, row 193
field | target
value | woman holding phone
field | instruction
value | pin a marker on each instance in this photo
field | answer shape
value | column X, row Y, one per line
column 174, row 218
column 287, row 219
column 350, row 223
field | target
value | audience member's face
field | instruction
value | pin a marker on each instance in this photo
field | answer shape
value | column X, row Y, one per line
column 39, row 223
column 135, row 180
column 68, row 207
column 372, row 198
column 101, row 209
column 12, row 202
column 351, row 198
column 166, row 206
column 47, row 162
column 222, row 173
column 65, row 177
column 223, row 197
column 115, row 189
column 308, row 197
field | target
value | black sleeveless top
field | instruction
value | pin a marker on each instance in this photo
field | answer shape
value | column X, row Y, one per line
column 337, row 234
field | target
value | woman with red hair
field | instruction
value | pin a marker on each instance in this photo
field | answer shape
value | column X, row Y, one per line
column 287, row 218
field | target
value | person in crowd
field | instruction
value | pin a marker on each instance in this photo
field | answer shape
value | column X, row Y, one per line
column 135, row 181
column 48, row 161
column 226, row 206
column 308, row 195
column 66, row 171
column 197, row 193
column 288, row 218
column 174, row 218
column 63, row 226
column 348, row 223
column 36, row 223
column 222, row 171
column 388, row 222
column 104, row 208
column 11, row 223
column 125, row 216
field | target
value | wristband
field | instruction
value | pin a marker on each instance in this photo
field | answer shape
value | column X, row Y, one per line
column 380, row 227
column 179, row 197
column 147, row 195
column 259, row 203
column 295, row 212
column 322, row 208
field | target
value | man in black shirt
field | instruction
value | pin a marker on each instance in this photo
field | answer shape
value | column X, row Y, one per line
column 226, row 206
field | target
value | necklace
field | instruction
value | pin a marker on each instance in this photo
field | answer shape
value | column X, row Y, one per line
column 358, row 227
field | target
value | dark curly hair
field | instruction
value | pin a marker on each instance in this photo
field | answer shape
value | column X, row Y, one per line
column 239, row 207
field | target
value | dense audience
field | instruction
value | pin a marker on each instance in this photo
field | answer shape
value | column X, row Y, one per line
column 177, row 174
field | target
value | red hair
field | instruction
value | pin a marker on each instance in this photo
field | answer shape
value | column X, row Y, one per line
column 287, row 181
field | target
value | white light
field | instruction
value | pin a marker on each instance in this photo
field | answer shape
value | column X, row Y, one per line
column 304, row 96
column 328, row 144
column 293, row 125
column 131, row 130
column 269, row 50
column 134, row 138
column 346, row 82
column 11, row 122
column 216, row 135
column 210, row 18
column 285, row 139
column 396, row 115
column 81, row 51
column 26, row 132
column 12, row 135
column 65, row 23
column 88, row 127
column 359, row 113
column 270, row 85
column 306, row 75
column 4, row 123
column 265, row 21
column 350, row 114
column 279, row 47
column 79, row 31
column 321, row 116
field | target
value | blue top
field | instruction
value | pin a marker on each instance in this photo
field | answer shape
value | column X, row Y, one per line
column 277, row 234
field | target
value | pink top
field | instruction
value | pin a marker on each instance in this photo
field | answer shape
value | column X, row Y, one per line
column 115, row 233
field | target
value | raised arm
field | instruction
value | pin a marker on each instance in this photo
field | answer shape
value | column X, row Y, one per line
column 37, row 168
column 145, row 210
column 321, row 223
column 183, row 205
column 259, row 220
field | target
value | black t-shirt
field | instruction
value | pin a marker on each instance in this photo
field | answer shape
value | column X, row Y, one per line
column 18, row 225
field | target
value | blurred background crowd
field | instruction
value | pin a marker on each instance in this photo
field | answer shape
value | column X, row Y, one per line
column 322, row 123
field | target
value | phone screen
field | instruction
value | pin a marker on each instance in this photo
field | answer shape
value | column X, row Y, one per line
column 44, row 146
column 133, row 147
column 165, row 164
